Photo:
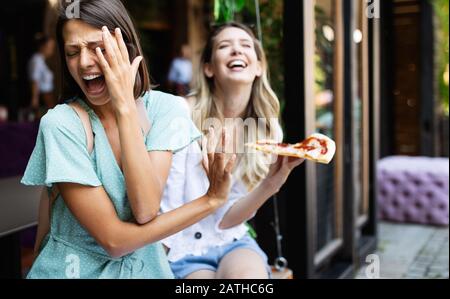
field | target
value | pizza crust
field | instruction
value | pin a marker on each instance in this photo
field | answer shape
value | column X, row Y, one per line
column 331, row 146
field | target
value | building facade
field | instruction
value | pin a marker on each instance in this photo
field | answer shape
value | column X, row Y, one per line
column 360, row 72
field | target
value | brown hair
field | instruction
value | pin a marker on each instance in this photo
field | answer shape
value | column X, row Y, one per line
column 99, row 13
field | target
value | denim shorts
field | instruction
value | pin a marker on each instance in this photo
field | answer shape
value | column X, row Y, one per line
column 210, row 261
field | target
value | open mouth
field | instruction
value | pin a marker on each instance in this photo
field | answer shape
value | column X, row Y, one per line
column 95, row 84
column 237, row 65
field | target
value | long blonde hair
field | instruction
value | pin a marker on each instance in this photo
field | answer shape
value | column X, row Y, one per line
column 252, row 168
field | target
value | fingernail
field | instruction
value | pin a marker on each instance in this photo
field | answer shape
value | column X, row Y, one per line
column 104, row 28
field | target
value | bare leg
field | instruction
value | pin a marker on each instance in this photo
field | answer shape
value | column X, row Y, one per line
column 242, row 264
column 202, row 274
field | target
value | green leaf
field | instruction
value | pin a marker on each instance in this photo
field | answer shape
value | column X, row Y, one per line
column 225, row 10
column 217, row 7
column 251, row 231
column 239, row 5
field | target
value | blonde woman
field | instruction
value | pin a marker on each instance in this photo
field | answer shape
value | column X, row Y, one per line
column 233, row 85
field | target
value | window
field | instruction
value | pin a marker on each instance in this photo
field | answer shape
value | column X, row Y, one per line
column 360, row 112
column 324, row 114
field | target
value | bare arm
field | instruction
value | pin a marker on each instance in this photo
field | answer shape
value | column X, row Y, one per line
column 145, row 173
column 34, row 94
column 119, row 238
column 246, row 207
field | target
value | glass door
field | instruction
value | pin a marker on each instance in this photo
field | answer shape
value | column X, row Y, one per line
column 324, row 114
column 360, row 111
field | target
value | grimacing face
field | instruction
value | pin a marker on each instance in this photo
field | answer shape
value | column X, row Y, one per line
column 234, row 58
column 80, row 42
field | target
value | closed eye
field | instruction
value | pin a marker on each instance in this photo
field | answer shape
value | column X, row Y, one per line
column 223, row 44
column 71, row 54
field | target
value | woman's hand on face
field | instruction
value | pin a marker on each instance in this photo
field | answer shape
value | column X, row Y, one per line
column 218, row 170
column 280, row 171
column 120, row 74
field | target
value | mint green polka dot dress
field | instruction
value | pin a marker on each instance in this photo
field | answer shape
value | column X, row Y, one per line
column 61, row 155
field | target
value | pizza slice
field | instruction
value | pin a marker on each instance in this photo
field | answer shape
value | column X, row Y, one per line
column 317, row 147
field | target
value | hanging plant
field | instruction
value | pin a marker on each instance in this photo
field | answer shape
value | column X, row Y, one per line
column 225, row 10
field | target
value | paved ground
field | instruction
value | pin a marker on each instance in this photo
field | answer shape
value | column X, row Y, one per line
column 412, row 251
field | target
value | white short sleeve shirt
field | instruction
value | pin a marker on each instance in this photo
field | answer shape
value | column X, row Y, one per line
column 181, row 71
column 39, row 72
column 187, row 181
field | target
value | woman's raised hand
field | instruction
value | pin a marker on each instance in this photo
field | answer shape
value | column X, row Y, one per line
column 218, row 170
column 120, row 74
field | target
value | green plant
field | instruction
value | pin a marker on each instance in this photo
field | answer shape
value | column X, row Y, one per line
column 441, row 10
column 251, row 230
column 225, row 10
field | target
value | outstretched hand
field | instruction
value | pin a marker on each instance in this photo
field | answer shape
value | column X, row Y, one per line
column 218, row 170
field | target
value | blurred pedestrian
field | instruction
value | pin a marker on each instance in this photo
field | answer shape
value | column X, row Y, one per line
column 180, row 74
column 40, row 75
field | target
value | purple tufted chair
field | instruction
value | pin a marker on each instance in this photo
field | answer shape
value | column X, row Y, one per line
column 414, row 189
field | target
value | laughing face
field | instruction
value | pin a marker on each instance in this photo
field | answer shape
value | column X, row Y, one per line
column 80, row 42
column 234, row 58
